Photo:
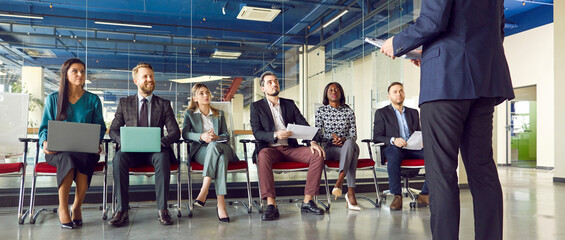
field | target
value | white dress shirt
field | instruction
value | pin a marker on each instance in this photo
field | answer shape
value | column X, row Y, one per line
column 140, row 101
column 279, row 122
column 207, row 124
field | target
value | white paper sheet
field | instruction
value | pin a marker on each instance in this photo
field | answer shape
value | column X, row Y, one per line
column 379, row 42
column 415, row 141
column 302, row 132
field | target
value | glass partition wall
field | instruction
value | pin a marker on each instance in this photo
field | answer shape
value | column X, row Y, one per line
column 224, row 44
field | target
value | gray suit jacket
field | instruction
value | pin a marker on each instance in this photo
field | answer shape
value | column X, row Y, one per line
column 192, row 128
column 162, row 115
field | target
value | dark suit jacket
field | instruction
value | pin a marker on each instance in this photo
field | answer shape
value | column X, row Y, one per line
column 386, row 123
column 263, row 125
column 463, row 56
column 192, row 128
column 162, row 115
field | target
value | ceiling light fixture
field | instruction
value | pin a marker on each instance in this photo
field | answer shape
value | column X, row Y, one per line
column 97, row 92
column 123, row 24
column 20, row 16
column 205, row 78
column 225, row 55
column 335, row 18
column 120, row 70
column 109, row 102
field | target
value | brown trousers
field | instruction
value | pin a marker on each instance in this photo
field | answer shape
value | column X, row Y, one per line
column 270, row 155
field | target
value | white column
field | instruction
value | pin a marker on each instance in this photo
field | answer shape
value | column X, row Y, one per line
column 32, row 82
column 237, row 112
column 559, row 88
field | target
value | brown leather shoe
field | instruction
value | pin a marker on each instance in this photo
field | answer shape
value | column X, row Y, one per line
column 423, row 200
column 119, row 219
column 165, row 217
column 396, row 203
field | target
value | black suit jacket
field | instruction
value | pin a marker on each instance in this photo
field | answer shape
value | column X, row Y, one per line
column 386, row 123
column 162, row 115
column 263, row 125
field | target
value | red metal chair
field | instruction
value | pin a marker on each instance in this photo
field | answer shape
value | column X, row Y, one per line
column 285, row 167
column 362, row 164
column 149, row 171
column 233, row 167
column 409, row 168
column 44, row 169
column 19, row 170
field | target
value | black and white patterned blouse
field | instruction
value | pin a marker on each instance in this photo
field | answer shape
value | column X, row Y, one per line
column 340, row 121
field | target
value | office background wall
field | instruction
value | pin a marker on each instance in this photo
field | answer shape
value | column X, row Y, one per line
column 530, row 57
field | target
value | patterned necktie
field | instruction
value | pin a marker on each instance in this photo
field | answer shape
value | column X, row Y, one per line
column 143, row 115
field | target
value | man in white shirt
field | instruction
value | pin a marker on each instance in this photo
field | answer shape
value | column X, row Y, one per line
column 269, row 118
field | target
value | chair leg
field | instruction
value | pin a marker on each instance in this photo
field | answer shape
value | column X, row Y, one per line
column 32, row 214
column 249, row 206
column 327, row 192
column 260, row 205
column 379, row 195
column 190, row 203
column 114, row 196
column 105, row 194
column 21, row 214
column 179, row 194
column 410, row 194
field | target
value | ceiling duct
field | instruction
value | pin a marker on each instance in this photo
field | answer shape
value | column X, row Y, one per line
column 258, row 14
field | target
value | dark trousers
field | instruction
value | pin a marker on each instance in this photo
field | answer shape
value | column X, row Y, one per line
column 123, row 161
column 268, row 156
column 394, row 156
column 447, row 127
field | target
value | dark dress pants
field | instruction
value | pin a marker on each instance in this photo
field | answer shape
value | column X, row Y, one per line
column 447, row 127
column 394, row 156
column 123, row 161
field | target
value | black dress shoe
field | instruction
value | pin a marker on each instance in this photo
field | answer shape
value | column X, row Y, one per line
column 272, row 213
column 165, row 217
column 119, row 219
column 199, row 203
column 227, row 219
column 311, row 207
column 68, row 225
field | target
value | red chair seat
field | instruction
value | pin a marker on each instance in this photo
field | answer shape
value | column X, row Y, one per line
column 11, row 167
column 361, row 163
column 412, row 163
column 44, row 167
column 239, row 165
column 149, row 168
column 290, row 165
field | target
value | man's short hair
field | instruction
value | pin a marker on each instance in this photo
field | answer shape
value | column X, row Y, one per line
column 267, row 73
column 140, row 65
column 392, row 84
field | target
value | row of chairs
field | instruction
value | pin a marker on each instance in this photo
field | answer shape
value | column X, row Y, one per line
column 410, row 168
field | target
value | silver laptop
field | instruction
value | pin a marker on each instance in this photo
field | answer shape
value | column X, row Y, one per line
column 73, row 137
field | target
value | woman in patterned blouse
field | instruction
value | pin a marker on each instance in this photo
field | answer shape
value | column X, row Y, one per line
column 336, row 121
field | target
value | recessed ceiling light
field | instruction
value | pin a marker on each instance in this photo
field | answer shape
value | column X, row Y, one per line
column 205, row 78
column 20, row 16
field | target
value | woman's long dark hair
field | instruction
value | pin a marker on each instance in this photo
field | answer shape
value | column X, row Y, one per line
column 63, row 101
column 326, row 101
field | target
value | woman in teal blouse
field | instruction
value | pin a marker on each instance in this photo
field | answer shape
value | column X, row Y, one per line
column 206, row 127
column 76, row 105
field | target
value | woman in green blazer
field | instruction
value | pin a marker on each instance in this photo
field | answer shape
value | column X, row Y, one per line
column 206, row 127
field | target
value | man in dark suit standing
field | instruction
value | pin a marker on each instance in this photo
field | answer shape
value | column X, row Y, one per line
column 393, row 126
column 269, row 118
column 144, row 110
column 464, row 74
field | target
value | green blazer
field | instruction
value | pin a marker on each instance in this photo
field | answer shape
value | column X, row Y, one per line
column 192, row 128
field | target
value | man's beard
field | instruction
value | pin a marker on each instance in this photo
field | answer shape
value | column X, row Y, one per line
column 276, row 93
column 148, row 89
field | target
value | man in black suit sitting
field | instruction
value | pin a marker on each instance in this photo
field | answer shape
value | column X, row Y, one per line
column 144, row 109
column 393, row 126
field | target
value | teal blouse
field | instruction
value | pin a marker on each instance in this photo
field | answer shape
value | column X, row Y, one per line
column 88, row 109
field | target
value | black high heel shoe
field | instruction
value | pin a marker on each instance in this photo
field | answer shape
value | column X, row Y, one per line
column 68, row 225
column 199, row 203
column 77, row 222
column 222, row 219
